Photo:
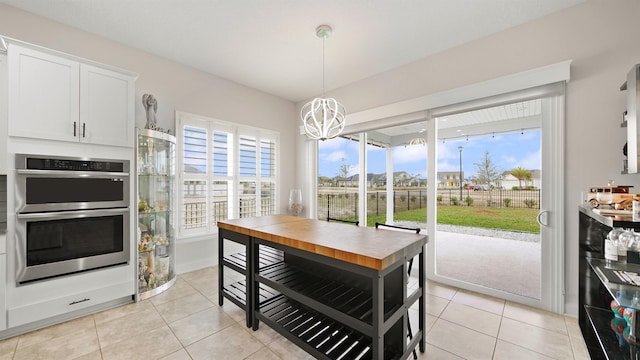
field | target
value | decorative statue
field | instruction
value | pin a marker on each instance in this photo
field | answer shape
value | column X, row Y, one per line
column 151, row 106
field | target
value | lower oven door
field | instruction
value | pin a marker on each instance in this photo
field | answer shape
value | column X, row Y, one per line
column 58, row 243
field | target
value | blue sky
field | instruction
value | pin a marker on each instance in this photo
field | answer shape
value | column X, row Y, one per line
column 507, row 151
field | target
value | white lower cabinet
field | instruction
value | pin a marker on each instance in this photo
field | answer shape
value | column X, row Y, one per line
column 39, row 301
column 42, row 310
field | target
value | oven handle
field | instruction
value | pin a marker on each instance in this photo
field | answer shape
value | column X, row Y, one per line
column 64, row 173
column 71, row 214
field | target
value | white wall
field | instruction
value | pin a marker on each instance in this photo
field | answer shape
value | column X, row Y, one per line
column 176, row 87
column 600, row 36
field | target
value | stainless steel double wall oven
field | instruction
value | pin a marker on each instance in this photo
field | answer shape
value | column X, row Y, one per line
column 72, row 215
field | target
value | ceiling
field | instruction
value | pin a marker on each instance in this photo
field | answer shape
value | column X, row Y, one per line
column 507, row 118
column 270, row 45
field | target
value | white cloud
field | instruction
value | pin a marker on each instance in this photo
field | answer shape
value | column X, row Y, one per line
column 532, row 161
column 336, row 156
column 409, row 154
column 444, row 165
column 529, row 161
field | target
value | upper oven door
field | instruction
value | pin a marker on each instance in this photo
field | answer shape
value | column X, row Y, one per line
column 45, row 190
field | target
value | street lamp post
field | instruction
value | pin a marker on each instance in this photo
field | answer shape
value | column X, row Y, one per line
column 460, row 149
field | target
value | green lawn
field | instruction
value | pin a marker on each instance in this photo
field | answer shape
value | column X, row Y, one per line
column 516, row 219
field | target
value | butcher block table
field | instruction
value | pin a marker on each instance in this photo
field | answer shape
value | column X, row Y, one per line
column 336, row 290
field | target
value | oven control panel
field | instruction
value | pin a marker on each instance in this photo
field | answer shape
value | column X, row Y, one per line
column 73, row 165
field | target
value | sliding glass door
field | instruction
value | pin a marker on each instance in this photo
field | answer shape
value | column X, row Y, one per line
column 482, row 178
column 496, row 227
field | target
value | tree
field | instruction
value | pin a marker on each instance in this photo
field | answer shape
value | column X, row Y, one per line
column 520, row 173
column 487, row 172
column 344, row 170
column 343, row 173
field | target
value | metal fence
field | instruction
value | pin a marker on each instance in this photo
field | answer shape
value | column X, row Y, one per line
column 340, row 204
column 344, row 205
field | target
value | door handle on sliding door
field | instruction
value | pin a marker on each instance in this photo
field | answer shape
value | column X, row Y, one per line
column 544, row 214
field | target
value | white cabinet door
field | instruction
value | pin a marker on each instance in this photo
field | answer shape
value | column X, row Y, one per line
column 106, row 107
column 3, row 291
column 43, row 95
column 3, row 113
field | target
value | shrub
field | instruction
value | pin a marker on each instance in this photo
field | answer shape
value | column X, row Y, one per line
column 439, row 199
column 383, row 197
column 454, row 200
column 372, row 196
column 403, row 198
column 413, row 199
column 506, row 202
column 530, row 203
column 515, row 188
column 468, row 200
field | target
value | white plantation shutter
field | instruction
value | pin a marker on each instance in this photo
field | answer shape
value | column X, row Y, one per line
column 268, row 176
column 221, row 173
column 228, row 171
column 194, row 184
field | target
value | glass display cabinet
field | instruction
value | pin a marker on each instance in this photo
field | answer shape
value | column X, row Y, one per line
column 155, row 212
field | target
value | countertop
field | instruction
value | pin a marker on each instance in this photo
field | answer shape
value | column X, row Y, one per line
column 619, row 220
column 365, row 246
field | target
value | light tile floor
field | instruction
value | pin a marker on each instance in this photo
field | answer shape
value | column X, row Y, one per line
column 186, row 322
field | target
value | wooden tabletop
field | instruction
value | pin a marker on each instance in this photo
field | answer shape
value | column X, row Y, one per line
column 370, row 247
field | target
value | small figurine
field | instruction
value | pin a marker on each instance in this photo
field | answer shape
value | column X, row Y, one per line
column 151, row 106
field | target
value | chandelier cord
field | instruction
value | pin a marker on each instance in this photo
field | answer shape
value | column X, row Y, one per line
column 324, row 37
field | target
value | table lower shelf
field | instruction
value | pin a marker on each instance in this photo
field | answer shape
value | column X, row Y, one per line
column 334, row 295
column 268, row 256
column 237, row 293
column 319, row 335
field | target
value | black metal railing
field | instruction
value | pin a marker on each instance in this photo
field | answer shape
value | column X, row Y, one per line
column 343, row 205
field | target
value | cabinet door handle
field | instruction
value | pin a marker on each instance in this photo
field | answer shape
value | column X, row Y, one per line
column 84, row 128
column 74, row 128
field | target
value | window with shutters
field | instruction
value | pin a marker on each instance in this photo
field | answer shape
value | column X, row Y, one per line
column 228, row 171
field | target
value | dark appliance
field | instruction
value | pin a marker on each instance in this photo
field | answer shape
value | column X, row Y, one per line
column 591, row 291
column 593, row 296
column 72, row 215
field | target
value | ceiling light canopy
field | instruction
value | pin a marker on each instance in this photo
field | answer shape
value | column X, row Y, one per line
column 323, row 118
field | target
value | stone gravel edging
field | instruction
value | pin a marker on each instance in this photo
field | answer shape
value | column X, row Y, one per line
column 469, row 230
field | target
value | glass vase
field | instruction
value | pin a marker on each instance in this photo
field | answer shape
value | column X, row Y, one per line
column 295, row 202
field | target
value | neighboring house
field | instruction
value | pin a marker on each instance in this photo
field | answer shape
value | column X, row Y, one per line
column 509, row 181
column 449, row 178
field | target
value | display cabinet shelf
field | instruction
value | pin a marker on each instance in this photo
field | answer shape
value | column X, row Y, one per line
column 613, row 344
column 156, row 234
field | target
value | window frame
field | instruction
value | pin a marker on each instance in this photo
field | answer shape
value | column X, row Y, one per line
column 234, row 177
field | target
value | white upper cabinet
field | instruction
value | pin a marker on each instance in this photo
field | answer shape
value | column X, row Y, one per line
column 59, row 98
column 43, row 95
column 106, row 106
